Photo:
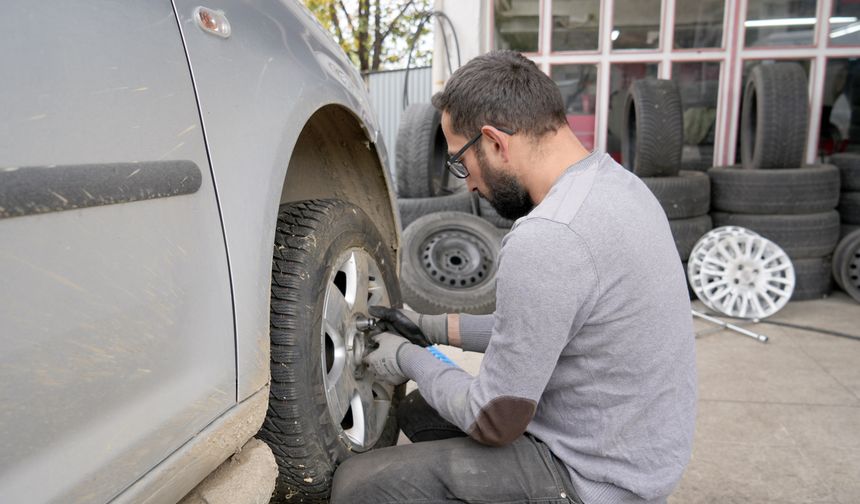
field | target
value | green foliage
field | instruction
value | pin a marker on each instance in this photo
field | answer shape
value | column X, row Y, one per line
column 376, row 34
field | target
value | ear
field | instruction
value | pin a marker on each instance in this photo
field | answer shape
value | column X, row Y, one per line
column 499, row 142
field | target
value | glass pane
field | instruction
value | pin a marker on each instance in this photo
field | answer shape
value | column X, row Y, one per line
column 578, row 85
column 748, row 66
column 636, row 24
column 845, row 23
column 620, row 78
column 699, row 83
column 516, row 24
column 575, row 25
column 699, row 23
column 840, row 112
column 782, row 23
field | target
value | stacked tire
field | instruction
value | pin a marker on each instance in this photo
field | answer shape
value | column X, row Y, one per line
column 846, row 259
column 770, row 192
column 651, row 146
column 451, row 239
column 849, row 198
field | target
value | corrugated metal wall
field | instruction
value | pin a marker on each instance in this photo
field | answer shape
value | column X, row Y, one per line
column 386, row 96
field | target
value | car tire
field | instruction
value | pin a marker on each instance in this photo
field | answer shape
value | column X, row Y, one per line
column 652, row 136
column 421, row 153
column 805, row 190
column 320, row 247
column 686, row 232
column 812, row 278
column 774, row 116
column 682, row 197
column 846, row 265
column 849, row 170
column 849, row 207
column 800, row 236
column 414, row 208
column 449, row 264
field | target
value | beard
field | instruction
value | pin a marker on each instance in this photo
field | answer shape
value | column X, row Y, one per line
column 507, row 196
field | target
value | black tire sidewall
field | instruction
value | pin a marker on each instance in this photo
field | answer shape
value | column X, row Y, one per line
column 425, row 295
column 307, row 443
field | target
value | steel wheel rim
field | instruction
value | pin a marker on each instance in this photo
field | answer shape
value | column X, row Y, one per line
column 456, row 259
column 744, row 275
column 851, row 270
column 358, row 405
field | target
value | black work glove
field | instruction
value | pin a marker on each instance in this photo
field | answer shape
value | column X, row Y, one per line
column 422, row 330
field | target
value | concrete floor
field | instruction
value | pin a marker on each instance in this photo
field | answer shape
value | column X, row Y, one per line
column 777, row 422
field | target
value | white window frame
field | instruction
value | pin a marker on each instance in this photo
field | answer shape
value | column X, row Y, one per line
column 732, row 55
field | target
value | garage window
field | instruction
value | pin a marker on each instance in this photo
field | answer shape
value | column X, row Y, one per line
column 775, row 24
column 516, row 24
column 575, row 25
column 699, row 23
column 578, row 85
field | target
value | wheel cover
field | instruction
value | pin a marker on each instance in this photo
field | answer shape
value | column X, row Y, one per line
column 741, row 274
column 456, row 259
column 357, row 404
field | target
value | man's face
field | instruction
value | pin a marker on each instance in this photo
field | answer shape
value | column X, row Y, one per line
column 490, row 179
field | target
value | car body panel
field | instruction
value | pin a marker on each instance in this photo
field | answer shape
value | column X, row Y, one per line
column 257, row 90
column 116, row 321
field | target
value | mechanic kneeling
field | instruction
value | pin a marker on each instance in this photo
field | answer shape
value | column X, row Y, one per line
column 587, row 389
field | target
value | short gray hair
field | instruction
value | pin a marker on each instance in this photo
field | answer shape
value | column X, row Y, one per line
column 503, row 89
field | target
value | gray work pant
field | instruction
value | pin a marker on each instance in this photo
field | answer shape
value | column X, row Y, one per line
column 443, row 466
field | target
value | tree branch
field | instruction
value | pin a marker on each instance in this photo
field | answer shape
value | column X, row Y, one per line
column 395, row 20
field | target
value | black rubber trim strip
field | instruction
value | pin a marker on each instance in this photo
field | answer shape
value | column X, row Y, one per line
column 42, row 189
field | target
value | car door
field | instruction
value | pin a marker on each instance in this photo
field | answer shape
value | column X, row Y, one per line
column 116, row 321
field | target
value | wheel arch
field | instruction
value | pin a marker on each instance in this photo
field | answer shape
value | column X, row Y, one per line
column 335, row 156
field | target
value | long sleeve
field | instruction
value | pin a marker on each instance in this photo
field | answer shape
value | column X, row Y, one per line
column 547, row 285
column 475, row 332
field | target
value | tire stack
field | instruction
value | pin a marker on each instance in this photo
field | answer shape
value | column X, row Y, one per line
column 849, row 197
column 652, row 142
column 451, row 238
column 770, row 193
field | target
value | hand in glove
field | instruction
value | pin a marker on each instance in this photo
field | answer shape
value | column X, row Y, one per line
column 383, row 360
column 422, row 330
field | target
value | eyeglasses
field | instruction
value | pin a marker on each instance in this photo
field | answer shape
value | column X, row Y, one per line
column 455, row 166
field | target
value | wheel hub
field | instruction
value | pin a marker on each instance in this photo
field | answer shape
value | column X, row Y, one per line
column 357, row 404
column 456, row 259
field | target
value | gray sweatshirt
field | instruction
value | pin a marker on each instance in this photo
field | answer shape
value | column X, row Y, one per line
column 591, row 346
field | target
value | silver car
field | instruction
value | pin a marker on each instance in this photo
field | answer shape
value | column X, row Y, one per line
column 195, row 213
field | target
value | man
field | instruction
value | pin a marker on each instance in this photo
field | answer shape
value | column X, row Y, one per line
column 586, row 392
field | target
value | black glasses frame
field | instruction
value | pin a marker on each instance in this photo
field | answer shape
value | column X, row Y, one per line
column 456, row 166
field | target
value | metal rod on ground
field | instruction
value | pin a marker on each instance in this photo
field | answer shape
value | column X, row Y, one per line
column 759, row 337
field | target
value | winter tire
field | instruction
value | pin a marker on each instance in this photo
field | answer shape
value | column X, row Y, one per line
column 687, row 232
column 653, row 129
column 449, row 264
column 812, row 278
column 774, row 116
column 810, row 189
column 682, row 197
column 801, row 236
column 330, row 263
column 849, row 207
column 421, row 153
column 413, row 208
column 849, row 170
